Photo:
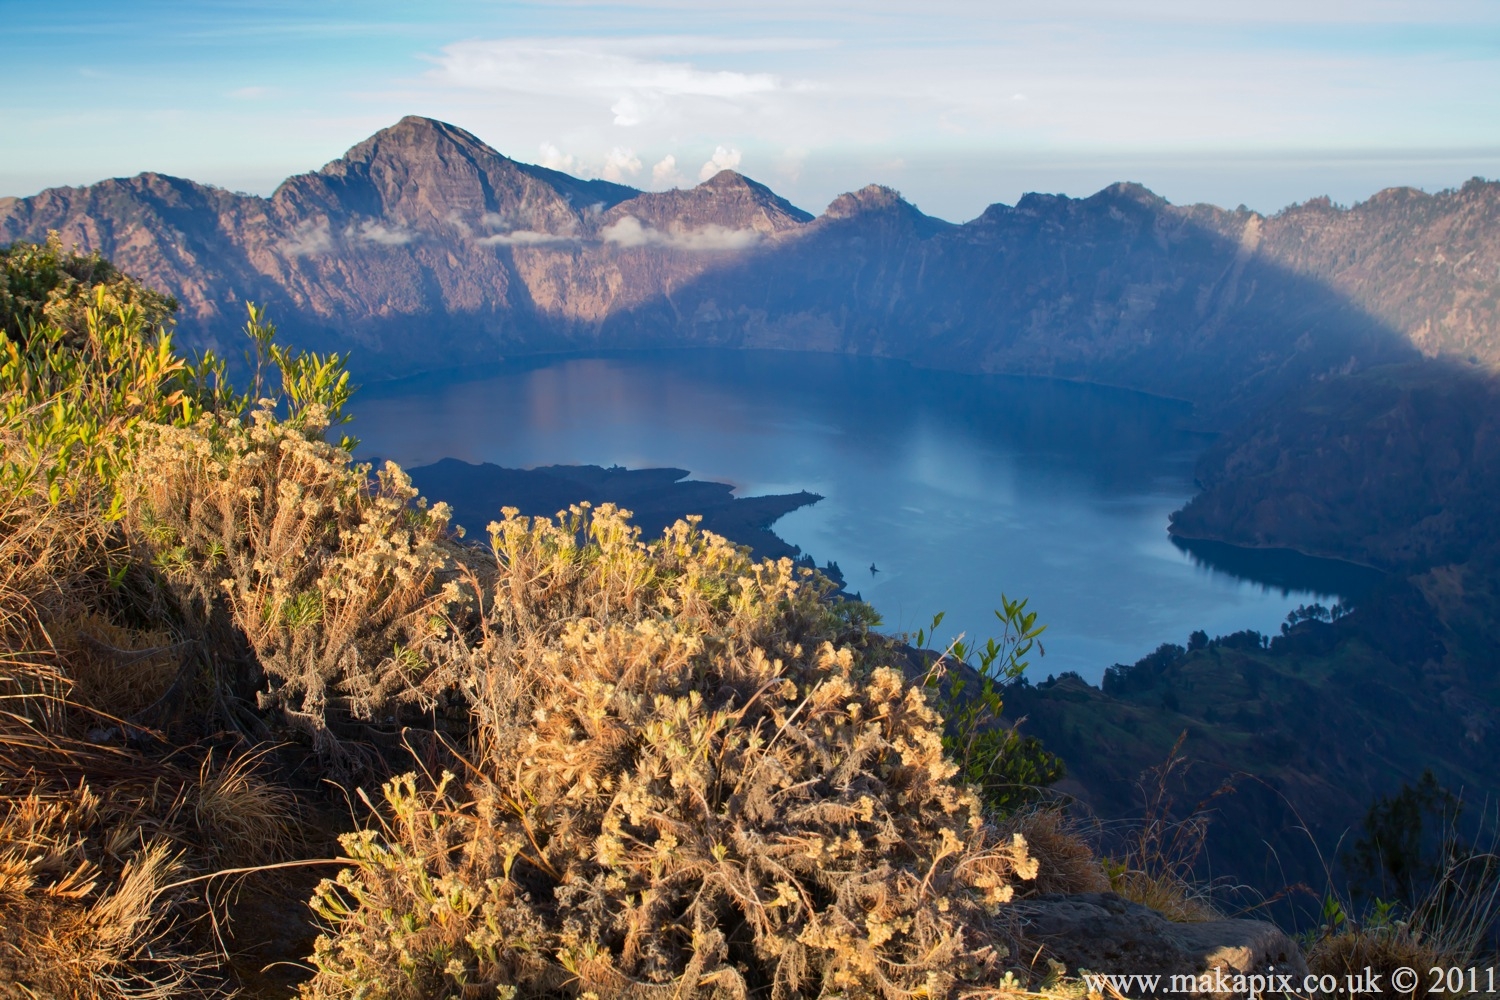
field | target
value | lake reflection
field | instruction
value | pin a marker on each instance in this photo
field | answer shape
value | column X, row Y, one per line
column 957, row 488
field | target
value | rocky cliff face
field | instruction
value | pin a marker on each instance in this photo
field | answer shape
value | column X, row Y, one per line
column 423, row 246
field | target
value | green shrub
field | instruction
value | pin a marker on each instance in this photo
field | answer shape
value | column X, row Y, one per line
column 1011, row 771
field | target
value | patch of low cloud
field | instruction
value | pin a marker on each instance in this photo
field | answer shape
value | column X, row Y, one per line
column 620, row 164
column 372, row 231
column 457, row 222
column 250, row 93
column 664, row 174
column 630, row 232
column 308, row 239
column 525, row 238
column 724, row 158
column 510, row 236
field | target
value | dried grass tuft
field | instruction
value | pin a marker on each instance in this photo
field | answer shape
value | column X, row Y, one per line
column 116, row 670
column 1350, row 952
column 1161, row 851
column 92, row 831
column 1066, row 862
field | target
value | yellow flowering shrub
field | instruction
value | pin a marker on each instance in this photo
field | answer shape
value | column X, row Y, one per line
column 687, row 777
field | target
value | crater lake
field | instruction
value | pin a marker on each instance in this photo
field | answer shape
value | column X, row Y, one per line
column 955, row 488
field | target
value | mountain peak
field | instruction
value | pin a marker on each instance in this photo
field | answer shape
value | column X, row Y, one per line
column 727, row 178
column 408, row 136
column 728, row 199
column 427, row 175
column 1130, row 191
column 870, row 198
column 877, row 200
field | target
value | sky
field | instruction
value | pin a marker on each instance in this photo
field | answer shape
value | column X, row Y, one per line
column 957, row 104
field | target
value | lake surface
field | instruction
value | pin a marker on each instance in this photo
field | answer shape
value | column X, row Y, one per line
column 957, row 488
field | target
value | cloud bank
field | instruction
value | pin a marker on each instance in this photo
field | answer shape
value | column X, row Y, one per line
column 630, row 232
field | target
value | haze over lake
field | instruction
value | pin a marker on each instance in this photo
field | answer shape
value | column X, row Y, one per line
column 956, row 487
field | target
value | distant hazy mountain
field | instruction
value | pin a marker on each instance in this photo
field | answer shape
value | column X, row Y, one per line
column 424, row 247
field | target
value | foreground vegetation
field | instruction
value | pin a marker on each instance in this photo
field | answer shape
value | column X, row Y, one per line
column 604, row 765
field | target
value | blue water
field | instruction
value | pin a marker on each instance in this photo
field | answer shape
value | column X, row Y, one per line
column 958, row 488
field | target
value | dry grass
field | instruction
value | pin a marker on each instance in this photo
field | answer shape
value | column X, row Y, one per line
column 67, row 930
column 1350, row 952
column 81, row 913
column 1156, row 866
column 93, row 831
column 116, row 670
column 1066, row 861
column 688, row 778
column 1451, row 926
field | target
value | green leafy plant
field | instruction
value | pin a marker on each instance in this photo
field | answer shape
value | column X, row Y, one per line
column 1009, row 769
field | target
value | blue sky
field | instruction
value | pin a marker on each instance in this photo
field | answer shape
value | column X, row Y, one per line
column 956, row 103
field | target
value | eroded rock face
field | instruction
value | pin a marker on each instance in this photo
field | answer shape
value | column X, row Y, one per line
column 1100, row 932
column 424, row 247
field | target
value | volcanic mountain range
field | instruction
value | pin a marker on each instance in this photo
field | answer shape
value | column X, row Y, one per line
column 422, row 247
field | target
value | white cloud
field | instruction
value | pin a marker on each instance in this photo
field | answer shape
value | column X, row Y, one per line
column 554, row 158
column 249, row 93
column 372, row 231
column 629, row 232
column 635, row 88
column 525, row 238
column 664, row 174
column 724, row 158
column 620, row 164
column 308, row 239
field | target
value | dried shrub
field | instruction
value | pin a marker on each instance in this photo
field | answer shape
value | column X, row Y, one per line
column 689, row 777
column 328, row 577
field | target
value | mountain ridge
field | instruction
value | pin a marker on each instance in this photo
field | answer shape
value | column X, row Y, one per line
column 423, row 246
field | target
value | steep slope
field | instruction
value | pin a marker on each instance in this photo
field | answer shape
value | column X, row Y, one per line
column 1397, row 467
column 1428, row 265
